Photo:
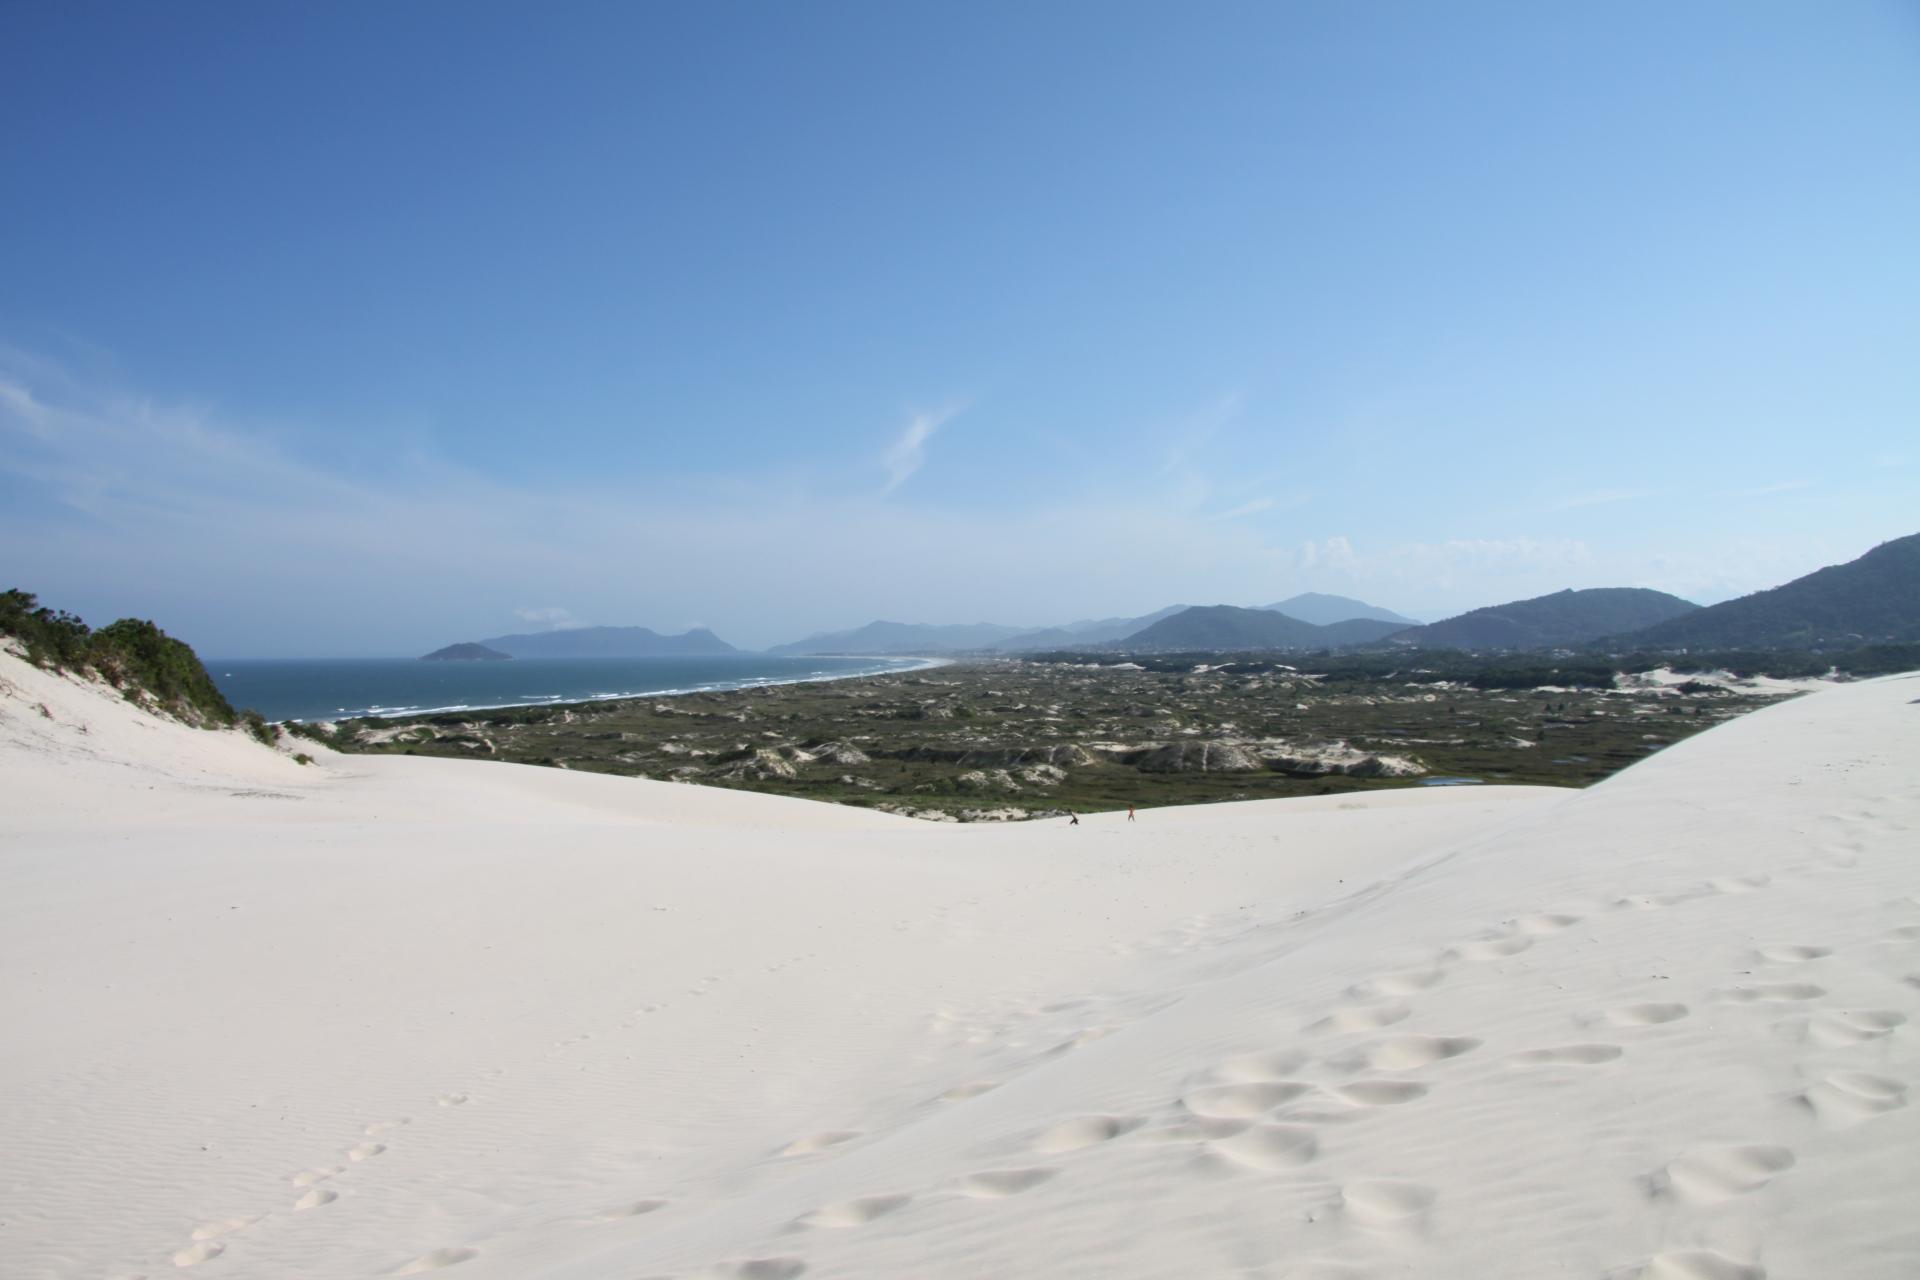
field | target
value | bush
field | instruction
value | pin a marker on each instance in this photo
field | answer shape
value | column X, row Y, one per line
column 256, row 724
column 138, row 657
column 54, row 638
column 134, row 656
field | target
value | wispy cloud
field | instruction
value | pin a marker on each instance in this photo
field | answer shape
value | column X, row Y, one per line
column 1599, row 498
column 218, row 530
column 908, row 452
column 138, row 504
column 1769, row 490
column 1247, row 509
column 1186, row 469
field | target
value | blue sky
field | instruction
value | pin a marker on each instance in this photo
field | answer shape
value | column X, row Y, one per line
column 360, row 329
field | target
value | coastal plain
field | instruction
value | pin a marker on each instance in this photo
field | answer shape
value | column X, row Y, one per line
column 394, row 1015
column 1015, row 739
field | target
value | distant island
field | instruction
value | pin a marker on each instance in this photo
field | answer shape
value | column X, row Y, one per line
column 468, row 652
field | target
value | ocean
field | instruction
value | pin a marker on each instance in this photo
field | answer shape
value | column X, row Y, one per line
column 336, row 688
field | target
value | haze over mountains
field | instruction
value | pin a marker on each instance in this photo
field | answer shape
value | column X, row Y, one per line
column 902, row 637
column 1550, row 621
column 1873, row 598
column 1323, row 610
column 1225, row 626
column 609, row 642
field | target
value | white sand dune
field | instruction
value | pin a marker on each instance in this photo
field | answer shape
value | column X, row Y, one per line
column 391, row 1016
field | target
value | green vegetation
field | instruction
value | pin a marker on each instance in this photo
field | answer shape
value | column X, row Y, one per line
column 135, row 656
column 53, row 638
column 138, row 658
column 466, row 651
column 312, row 733
column 1225, row 626
column 1031, row 739
column 256, row 724
column 1521, row 671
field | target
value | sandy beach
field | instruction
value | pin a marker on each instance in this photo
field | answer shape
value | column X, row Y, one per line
column 379, row 1016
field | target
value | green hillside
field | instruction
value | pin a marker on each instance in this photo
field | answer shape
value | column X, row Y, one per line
column 135, row 656
column 1873, row 599
column 1562, row 619
column 1225, row 626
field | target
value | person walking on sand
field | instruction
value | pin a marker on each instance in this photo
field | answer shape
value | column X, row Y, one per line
column 1073, row 819
column 1129, row 813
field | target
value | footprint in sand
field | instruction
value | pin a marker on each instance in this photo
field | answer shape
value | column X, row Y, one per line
column 451, row 1100
column 366, row 1151
column 1396, row 984
column 755, row 1269
column 315, row 1198
column 1405, row 1053
column 1197, row 1129
column 1254, row 1068
column 856, row 1213
column 1839, row 1029
column 1697, row 1264
column 1568, row 1055
column 1380, row 1093
column 222, row 1227
column 997, row 1184
column 817, row 1142
column 1494, row 948
column 1543, row 923
column 1270, row 1146
column 1649, row 901
column 1242, row 1101
column 1387, row 1200
column 972, row 1089
column 198, row 1253
column 379, row 1127
column 632, row 1209
column 311, row 1176
column 1772, row 993
column 1794, row 955
column 1084, row 1131
column 1083, row 1038
column 1646, row 1015
column 1849, row 1097
column 1738, row 884
column 1714, row 1174
column 1360, row 1017
column 1326, row 1269
column 436, row 1260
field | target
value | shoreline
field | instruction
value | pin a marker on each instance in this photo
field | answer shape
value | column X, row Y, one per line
column 599, row 700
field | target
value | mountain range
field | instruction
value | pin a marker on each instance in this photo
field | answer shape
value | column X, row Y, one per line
column 1324, row 610
column 1873, row 598
column 1225, row 627
column 1547, row 622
